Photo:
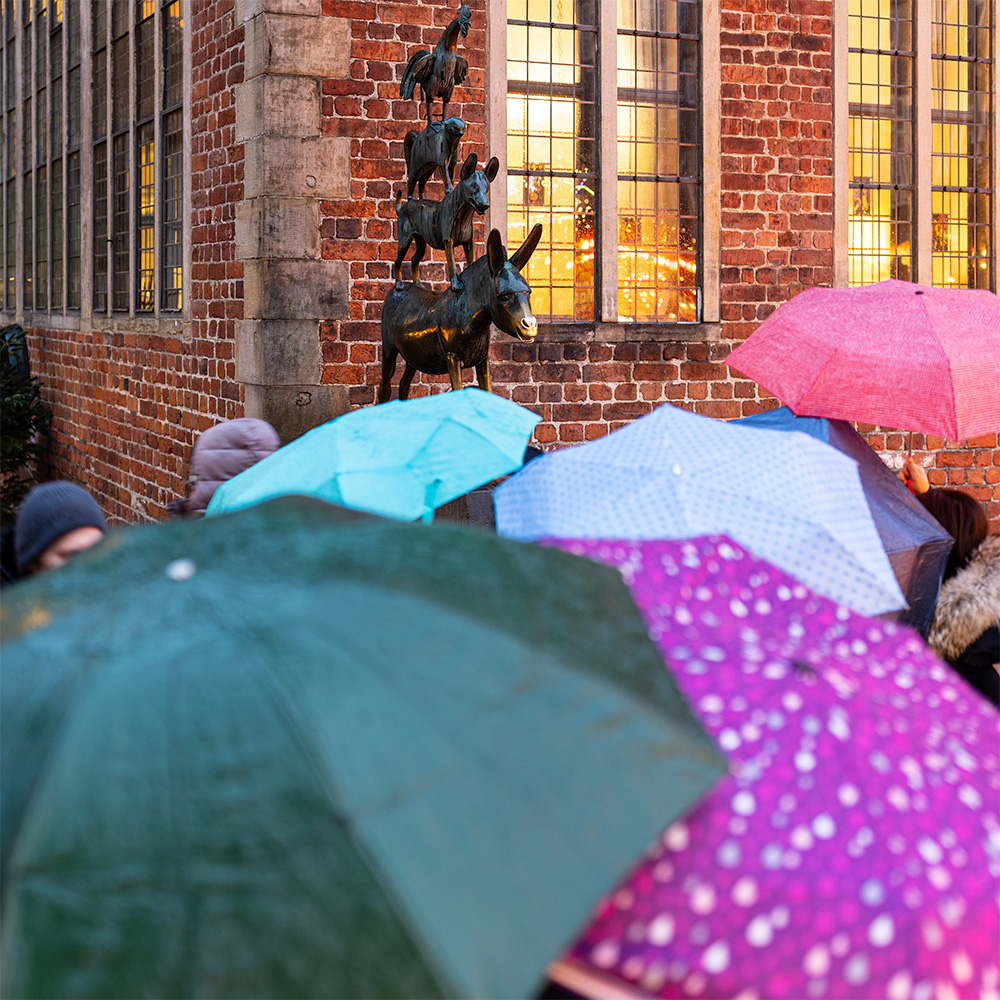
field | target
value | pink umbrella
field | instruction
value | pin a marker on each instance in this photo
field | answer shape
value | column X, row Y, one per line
column 894, row 353
column 853, row 851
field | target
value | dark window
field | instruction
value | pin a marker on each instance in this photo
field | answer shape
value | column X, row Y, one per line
column 57, row 234
column 101, row 227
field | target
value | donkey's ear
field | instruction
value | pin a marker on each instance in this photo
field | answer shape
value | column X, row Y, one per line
column 491, row 168
column 469, row 167
column 496, row 256
column 523, row 253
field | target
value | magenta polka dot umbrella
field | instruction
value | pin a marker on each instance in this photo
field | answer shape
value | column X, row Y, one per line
column 893, row 353
column 854, row 849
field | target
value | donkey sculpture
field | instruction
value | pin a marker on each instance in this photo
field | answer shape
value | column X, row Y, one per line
column 442, row 224
column 435, row 148
column 438, row 332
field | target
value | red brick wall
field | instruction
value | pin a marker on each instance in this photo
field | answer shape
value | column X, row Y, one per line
column 777, row 226
column 128, row 405
column 776, row 239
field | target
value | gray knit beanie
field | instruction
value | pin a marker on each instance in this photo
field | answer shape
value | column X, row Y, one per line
column 48, row 512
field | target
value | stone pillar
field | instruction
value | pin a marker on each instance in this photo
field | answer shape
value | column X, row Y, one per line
column 289, row 169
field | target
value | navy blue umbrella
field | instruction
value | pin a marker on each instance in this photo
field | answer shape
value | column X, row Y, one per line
column 917, row 546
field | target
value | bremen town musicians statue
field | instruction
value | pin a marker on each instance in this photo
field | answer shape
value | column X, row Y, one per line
column 448, row 330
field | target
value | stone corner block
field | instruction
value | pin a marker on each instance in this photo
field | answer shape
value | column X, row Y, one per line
column 246, row 9
column 319, row 167
column 277, row 106
column 274, row 227
column 278, row 352
column 293, row 45
column 292, row 410
column 295, row 289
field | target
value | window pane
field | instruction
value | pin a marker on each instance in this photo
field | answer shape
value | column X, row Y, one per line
column 173, row 202
column 57, row 118
column 73, row 231
column 73, row 109
column 145, row 241
column 27, row 242
column 121, row 224
column 552, row 169
column 119, row 85
column 173, row 55
column 57, row 235
column 101, row 227
column 41, row 127
column 961, row 155
column 880, row 140
column 73, row 13
column 11, row 246
column 144, row 69
column 659, row 161
column 99, row 94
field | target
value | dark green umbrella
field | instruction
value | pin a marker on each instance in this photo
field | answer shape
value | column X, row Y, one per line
column 303, row 752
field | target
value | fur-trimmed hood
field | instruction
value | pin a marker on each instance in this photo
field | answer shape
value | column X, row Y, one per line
column 969, row 603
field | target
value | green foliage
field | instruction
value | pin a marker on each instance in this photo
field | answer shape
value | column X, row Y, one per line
column 24, row 426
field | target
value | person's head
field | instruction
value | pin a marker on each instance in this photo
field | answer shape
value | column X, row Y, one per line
column 54, row 522
column 963, row 517
column 224, row 451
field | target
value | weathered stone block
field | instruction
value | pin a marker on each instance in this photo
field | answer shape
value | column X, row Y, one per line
column 298, row 168
column 275, row 227
column 246, row 9
column 278, row 352
column 293, row 410
column 277, row 106
column 285, row 289
column 298, row 46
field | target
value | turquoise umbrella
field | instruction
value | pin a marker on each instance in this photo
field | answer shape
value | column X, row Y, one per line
column 399, row 459
column 305, row 752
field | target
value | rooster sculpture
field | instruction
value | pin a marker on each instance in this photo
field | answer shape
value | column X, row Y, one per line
column 437, row 72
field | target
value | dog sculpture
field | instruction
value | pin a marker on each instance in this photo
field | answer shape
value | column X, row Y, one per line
column 442, row 224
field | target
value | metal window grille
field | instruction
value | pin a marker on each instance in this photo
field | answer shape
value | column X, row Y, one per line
column 922, row 121
column 27, row 202
column 100, row 203
column 557, row 51
column 41, row 239
column 146, row 250
column 120, row 225
column 57, row 234
column 962, row 109
column 10, row 284
column 881, row 141
column 659, row 161
column 73, row 234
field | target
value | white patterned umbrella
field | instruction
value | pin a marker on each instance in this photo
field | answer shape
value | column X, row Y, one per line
column 786, row 497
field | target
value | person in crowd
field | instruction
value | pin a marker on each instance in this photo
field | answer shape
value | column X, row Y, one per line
column 55, row 522
column 221, row 452
column 966, row 626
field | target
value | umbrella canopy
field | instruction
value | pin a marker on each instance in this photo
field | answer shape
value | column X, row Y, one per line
column 304, row 752
column 855, row 849
column 917, row 546
column 673, row 474
column 399, row 459
column 893, row 353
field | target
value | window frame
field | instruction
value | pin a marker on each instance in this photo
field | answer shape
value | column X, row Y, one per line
column 923, row 225
column 605, row 326
column 74, row 155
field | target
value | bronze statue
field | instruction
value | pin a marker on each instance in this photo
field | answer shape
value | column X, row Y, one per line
column 435, row 148
column 439, row 71
column 438, row 332
column 442, row 224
